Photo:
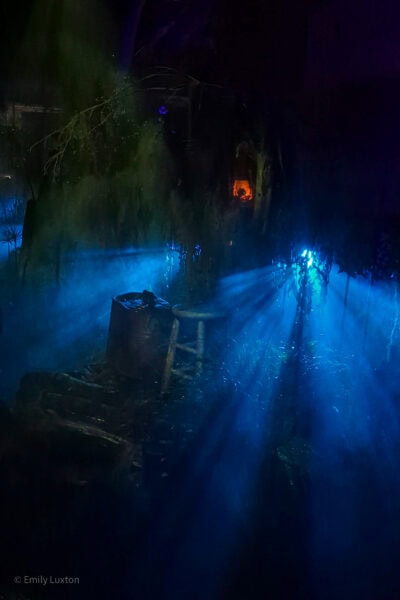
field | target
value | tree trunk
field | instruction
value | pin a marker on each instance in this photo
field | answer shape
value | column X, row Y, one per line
column 263, row 189
column 260, row 165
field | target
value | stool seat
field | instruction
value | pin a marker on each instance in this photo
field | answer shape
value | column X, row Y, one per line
column 198, row 315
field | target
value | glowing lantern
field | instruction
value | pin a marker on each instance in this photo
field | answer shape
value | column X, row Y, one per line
column 242, row 190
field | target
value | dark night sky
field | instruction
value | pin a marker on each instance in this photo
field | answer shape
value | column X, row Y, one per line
column 357, row 40
column 347, row 50
column 246, row 44
column 234, row 45
column 246, row 47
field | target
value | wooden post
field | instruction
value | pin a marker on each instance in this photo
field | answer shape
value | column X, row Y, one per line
column 170, row 356
column 200, row 347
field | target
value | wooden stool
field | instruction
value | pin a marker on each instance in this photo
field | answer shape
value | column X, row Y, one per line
column 195, row 347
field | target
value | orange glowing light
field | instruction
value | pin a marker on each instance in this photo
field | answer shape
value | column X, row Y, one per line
column 242, row 190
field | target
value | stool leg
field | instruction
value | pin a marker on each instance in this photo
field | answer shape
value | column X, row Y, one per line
column 170, row 356
column 200, row 347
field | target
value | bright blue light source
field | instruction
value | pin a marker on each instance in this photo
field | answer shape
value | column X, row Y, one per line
column 163, row 110
column 308, row 254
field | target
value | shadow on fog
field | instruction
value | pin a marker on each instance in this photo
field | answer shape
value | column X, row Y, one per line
column 355, row 489
column 48, row 327
column 206, row 515
column 290, row 485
